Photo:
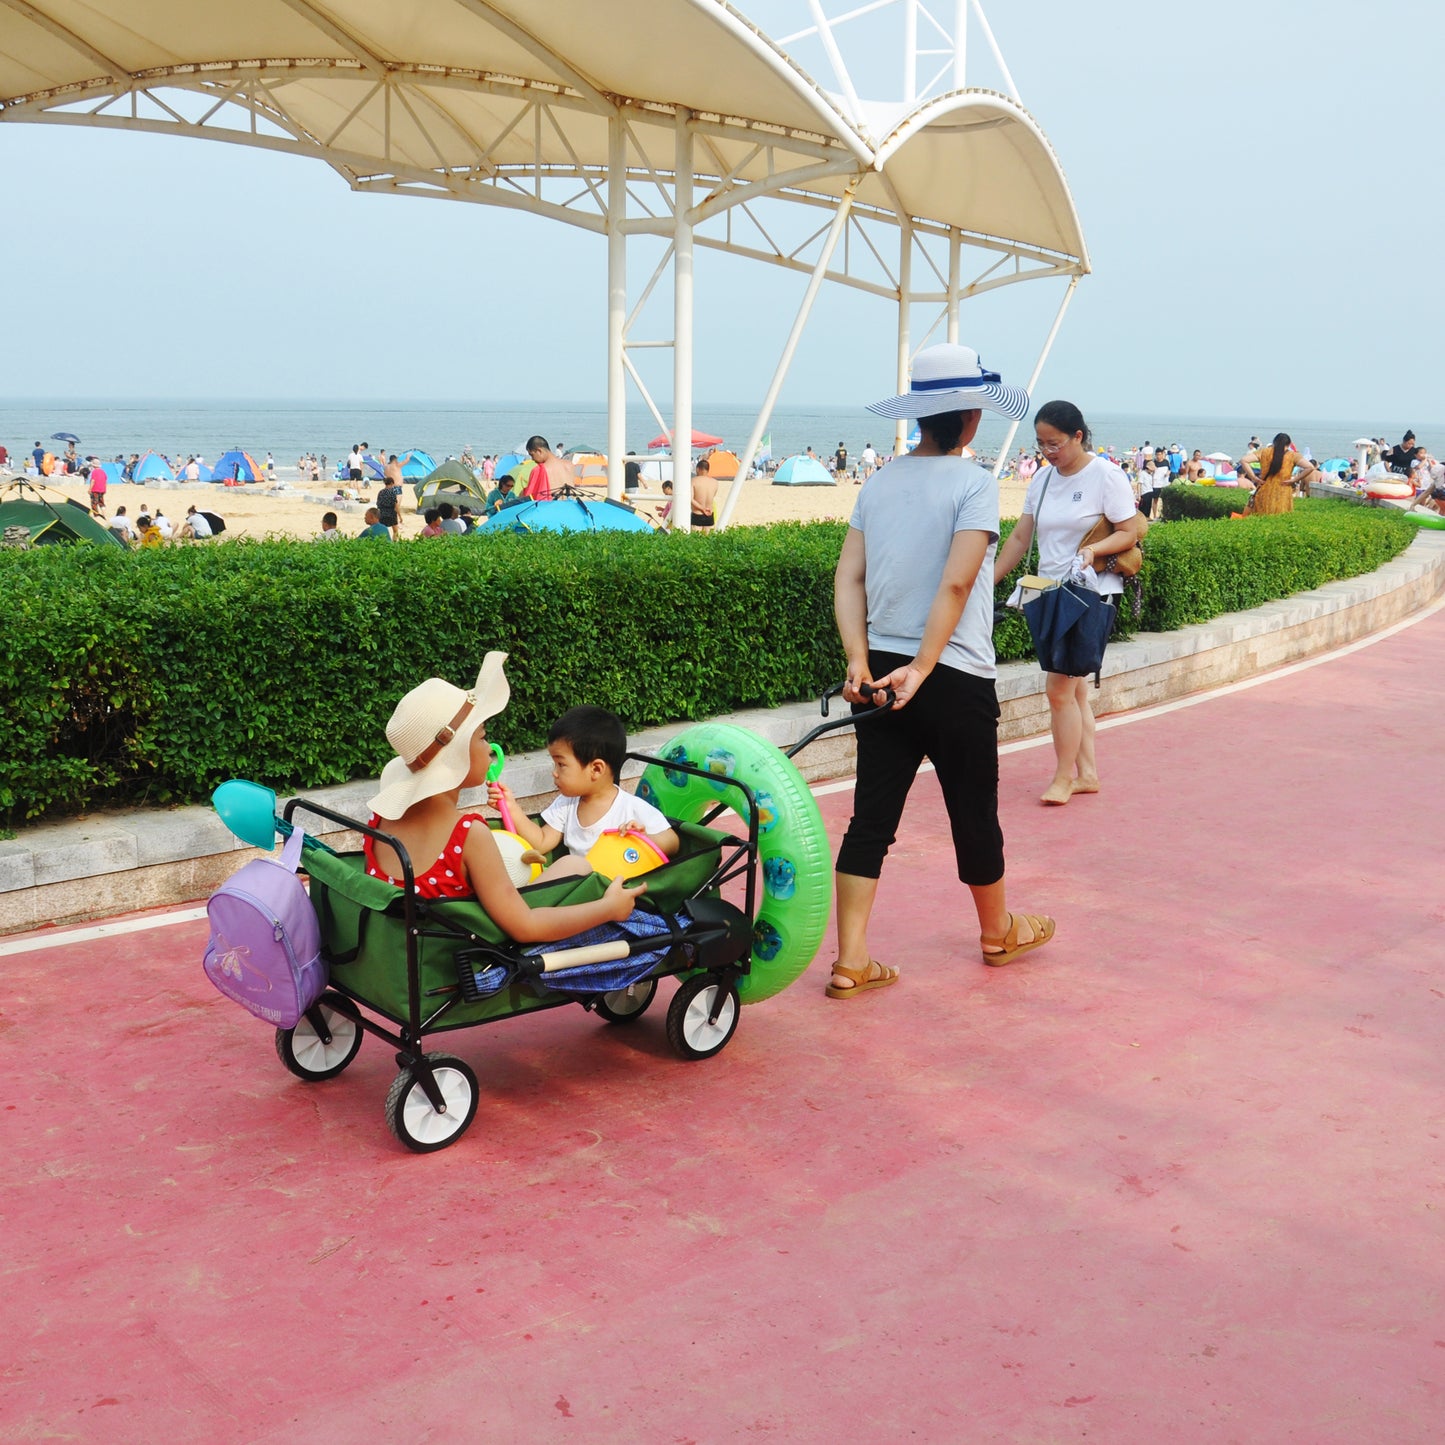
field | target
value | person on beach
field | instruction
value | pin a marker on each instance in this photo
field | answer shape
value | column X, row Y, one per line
column 1064, row 502
column 123, row 527
column 1276, row 470
column 867, row 463
column 502, row 495
column 432, row 527
column 704, row 495
column 164, row 523
column 197, row 526
column 97, row 484
column 388, row 498
column 914, row 609
column 330, row 531
column 550, row 471
column 353, row 465
column 440, row 736
column 375, row 528
column 449, row 522
column 150, row 534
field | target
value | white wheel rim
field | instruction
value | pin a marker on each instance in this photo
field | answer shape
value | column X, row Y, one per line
column 696, row 1030
column 422, row 1122
column 315, row 1056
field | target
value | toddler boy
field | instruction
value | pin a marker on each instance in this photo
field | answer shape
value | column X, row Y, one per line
column 586, row 745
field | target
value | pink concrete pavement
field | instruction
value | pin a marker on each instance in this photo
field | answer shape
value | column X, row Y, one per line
column 1176, row 1176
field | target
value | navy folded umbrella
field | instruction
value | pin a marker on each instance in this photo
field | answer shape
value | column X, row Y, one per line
column 65, row 436
column 1070, row 627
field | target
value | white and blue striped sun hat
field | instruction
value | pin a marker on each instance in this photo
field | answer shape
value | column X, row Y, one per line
column 951, row 378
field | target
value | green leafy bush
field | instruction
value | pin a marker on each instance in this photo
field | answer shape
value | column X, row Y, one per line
column 152, row 676
column 1187, row 501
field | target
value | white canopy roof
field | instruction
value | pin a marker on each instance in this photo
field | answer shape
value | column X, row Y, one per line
column 487, row 99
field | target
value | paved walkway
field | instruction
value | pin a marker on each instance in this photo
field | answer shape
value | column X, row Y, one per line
column 1176, row 1176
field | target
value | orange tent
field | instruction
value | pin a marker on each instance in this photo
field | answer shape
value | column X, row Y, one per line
column 722, row 464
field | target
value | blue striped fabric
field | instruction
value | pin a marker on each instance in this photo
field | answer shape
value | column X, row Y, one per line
column 590, row 978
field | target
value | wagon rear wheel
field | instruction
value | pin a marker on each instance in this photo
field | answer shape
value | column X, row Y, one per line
column 314, row 1054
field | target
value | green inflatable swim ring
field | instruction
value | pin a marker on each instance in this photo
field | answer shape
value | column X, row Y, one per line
column 794, row 857
column 1433, row 522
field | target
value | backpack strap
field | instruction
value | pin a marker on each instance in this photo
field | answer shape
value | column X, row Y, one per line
column 290, row 858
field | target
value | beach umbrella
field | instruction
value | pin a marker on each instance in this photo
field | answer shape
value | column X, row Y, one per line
column 65, row 436
column 569, row 513
column 1219, row 457
column 803, row 471
column 700, row 439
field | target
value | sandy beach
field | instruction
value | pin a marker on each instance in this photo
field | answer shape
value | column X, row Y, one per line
column 252, row 511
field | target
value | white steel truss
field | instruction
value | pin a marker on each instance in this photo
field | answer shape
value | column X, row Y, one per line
column 559, row 143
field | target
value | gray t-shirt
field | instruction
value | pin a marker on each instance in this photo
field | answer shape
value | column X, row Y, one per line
column 908, row 513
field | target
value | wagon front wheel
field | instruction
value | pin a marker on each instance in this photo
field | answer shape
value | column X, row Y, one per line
column 415, row 1119
column 691, row 1028
column 313, row 1053
column 623, row 1005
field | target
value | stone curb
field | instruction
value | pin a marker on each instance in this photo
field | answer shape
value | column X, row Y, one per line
column 114, row 862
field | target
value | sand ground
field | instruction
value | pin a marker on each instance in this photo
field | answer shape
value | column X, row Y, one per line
column 252, row 511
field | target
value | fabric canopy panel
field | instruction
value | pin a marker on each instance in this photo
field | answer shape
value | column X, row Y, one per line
column 428, row 93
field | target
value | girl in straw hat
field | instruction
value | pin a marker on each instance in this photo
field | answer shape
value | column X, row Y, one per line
column 440, row 736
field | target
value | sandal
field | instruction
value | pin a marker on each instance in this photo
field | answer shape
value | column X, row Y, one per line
column 1009, row 947
column 863, row 979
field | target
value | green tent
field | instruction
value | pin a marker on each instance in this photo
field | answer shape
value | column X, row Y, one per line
column 52, row 518
column 447, row 483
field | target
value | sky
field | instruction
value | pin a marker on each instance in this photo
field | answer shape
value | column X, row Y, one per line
column 1257, row 182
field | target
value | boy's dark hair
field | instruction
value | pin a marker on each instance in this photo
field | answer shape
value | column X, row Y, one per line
column 592, row 733
column 430, row 516
column 446, row 511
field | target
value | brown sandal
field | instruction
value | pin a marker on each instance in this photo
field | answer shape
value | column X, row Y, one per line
column 861, row 980
column 1009, row 946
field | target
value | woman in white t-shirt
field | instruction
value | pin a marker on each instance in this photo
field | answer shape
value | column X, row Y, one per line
column 1065, row 500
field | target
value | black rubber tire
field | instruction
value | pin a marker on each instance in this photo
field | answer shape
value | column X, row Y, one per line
column 410, row 1115
column 688, row 1030
column 302, row 1052
column 618, row 1008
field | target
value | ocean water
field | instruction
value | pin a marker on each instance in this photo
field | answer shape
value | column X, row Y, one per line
column 289, row 429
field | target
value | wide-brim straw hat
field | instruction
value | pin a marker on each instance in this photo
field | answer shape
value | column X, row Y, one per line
column 951, row 378
column 431, row 730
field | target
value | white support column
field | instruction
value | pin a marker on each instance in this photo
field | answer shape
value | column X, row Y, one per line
column 815, row 282
column 1008, row 441
column 910, row 51
column 955, row 249
column 616, row 305
column 960, row 44
column 905, row 306
column 682, row 257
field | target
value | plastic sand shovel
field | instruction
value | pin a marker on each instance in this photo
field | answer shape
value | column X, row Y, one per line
column 248, row 810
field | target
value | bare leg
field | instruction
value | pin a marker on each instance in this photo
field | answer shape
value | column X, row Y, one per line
column 855, row 906
column 1088, row 778
column 1066, row 725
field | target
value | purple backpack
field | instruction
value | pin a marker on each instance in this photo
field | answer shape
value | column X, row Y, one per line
column 265, row 945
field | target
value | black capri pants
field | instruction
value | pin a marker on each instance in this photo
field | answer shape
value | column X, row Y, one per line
column 953, row 721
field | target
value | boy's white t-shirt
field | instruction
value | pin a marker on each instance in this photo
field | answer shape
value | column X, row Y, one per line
column 627, row 809
column 1071, row 506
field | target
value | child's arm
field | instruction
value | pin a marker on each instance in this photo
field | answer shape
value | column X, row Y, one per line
column 666, row 841
column 509, row 911
column 543, row 838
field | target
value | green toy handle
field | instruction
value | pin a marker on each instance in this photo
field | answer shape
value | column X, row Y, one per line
column 494, row 775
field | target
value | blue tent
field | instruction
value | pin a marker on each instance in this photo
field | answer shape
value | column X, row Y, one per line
column 507, row 461
column 1335, row 464
column 803, row 471
column 375, row 465
column 153, row 467
column 417, row 464
column 205, row 473
column 567, row 514
column 234, row 466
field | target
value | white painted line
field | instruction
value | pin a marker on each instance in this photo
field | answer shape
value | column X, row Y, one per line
column 100, row 930
column 845, row 785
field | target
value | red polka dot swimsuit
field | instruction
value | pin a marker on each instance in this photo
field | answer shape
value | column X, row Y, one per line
column 445, row 878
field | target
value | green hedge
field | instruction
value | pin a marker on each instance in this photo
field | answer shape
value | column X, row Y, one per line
column 1186, row 501
column 151, row 676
